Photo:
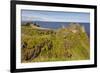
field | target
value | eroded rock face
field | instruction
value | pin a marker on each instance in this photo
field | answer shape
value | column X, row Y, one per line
column 31, row 53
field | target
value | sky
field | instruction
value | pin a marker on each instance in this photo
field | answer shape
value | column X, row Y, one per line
column 53, row 16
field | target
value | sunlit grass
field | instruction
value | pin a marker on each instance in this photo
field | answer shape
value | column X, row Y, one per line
column 59, row 45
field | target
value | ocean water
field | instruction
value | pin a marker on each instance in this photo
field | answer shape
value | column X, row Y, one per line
column 56, row 25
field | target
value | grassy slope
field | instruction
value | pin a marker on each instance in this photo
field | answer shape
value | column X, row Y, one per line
column 65, row 44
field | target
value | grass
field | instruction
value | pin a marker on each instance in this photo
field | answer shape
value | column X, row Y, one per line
column 54, row 45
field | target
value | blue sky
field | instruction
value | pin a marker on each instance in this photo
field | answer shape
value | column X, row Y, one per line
column 53, row 16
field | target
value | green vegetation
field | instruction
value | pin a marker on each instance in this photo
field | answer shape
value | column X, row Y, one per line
column 42, row 45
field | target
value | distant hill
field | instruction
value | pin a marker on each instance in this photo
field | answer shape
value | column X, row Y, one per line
column 38, row 27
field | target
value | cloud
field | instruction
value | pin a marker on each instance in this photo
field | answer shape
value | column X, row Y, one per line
column 33, row 18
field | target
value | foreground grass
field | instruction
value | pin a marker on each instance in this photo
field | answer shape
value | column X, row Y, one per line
column 54, row 45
